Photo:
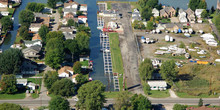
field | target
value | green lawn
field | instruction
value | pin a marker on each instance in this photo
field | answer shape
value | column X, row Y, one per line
column 159, row 94
column 185, row 95
column 15, row 4
column 12, row 96
column 11, row 11
column 85, row 63
column 117, row 62
column 112, row 94
column 18, row 39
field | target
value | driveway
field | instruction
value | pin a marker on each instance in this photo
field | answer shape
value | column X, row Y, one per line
column 56, row 21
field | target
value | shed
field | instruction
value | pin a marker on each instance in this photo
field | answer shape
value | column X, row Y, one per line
column 157, row 85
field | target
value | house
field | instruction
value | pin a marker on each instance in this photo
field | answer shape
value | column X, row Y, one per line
column 218, row 5
column 172, row 26
column 34, row 27
column 69, row 32
column 42, row 18
column 21, row 82
column 201, row 108
column 182, row 16
column 36, row 37
column 32, row 52
column 4, row 13
column 102, row 6
column 167, row 12
column 3, row 3
column 69, row 16
column 83, row 8
column 155, row 12
column 32, row 43
column 74, row 78
column 31, row 86
column 65, row 71
column 69, row 10
column 198, row 12
column 157, row 85
column 82, row 19
column 190, row 15
column 29, row 67
column 16, row 1
column 71, row 4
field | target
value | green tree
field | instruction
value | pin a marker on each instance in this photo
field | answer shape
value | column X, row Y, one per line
column 8, row 84
column 26, row 17
column 6, row 23
column 150, row 25
column 200, row 102
column 10, row 106
column 202, row 5
column 146, row 69
column 35, row 7
column 142, row 3
column 82, row 39
column 23, row 32
column 39, row 7
column 72, row 47
column 63, row 87
column 168, row 71
column 83, row 28
column 71, row 22
column 122, row 101
column 49, row 78
column 152, row 3
column 52, row 3
column 179, row 107
column 63, row 1
column 212, row 10
column 54, row 34
column 78, row 13
column 138, row 25
column 77, row 67
column 217, row 21
column 204, row 14
column 146, row 88
column 81, row 79
column 146, row 13
column 91, row 96
column 43, row 32
column 11, row 61
column 193, row 4
column 59, row 103
column 140, row 102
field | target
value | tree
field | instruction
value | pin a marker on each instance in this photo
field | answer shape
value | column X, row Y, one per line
column 179, row 107
column 212, row 10
column 11, row 61
column 168, row 71
column 78, row 13
column 146, row 13
column 204, row 14
column 54, row 34
column 139, row 102
column 150, row 25
column 200, row 102
column 10, row 106
column 142, row 3
column 146, row 69
column 26, row 17
column 49, row 78
column 138, row 25
column 202, row 5
column 152, row 3
column 59, row 103
column 77, row 67
column 82, row 39
column 52, row 3
column 81, row 79
column 63, row 1
column 43, row 32
column 23, row 32
column 72, row 47
column 71, row 22
column 6, row 23
column 177, row 11
column 122, row 101
column 193, row 4
column 83, row 28
column 35, row 7
column 63, row 87
column 91, row 96
column 146, row 88
column 8, row 84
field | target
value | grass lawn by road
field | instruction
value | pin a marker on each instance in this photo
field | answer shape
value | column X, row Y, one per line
column 12, row 96
column 113, row 94
column 117, row 62
column 159, row 94
column 185, row 95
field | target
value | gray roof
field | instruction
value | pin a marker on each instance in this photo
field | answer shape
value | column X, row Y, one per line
column 35, row 25
column 35, row 48
column 70, row 10
column 69, row 36
column 162, row 12
column 31, row 42
column 67, row 29
column 167, row 9
column 40, row 15
column 189, row 12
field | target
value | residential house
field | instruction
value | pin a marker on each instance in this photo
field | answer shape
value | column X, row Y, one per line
column 83, row 8
column 198, row 12
column 218, row 5
column 21, row 83
column 34, row 27
column 74, row 78
column 167, row 12
column 102, row 6
column 65, row 71
column 172, row 26
column 4, row 13
column 157, row 85
column 16, row 1
column 69, row 10
column 69, row 32
column 82, row 19
column 155, row 12
column 32, row 52
column 69, row 16
column 42, row 18
column 32, row 43
column 29, row 67
column 136, row 15
column 190, row 15
column 3, row 3
column 32, row 86
column 36, row 37
column 201, row 108
column 182, row 16
column 71, row 4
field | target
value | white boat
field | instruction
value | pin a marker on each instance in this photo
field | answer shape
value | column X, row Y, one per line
column 187, row 35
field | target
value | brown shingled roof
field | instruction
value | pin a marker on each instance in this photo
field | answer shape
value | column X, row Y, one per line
column 64, row 69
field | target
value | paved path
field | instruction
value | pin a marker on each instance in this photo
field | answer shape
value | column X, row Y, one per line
column 172, row 94
column 56, row 21
column 43, row 92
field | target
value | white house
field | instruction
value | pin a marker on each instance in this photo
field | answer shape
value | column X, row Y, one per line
column 198, row 12
column 4, row 13
column 74, row 78
column 31, row 85
column 22, row 82
column 71, row 5
column 3, row 3
column 83, row 8
column 65, row 71
column 82, row 19
column 155, row 12
column 157, row 85
column 32, row 43
column 182, row 16
column 34, row 27
column 69, row 10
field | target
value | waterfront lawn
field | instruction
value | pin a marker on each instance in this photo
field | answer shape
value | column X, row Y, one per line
column 18, row 39
column 11, row 12
column 117, row 62
column 13, row 96
column 159, row 94
column 85, row 63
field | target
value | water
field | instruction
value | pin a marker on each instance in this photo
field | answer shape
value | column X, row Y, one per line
column 95, row 55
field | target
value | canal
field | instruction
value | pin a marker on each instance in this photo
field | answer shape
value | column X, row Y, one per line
column 95, row 55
